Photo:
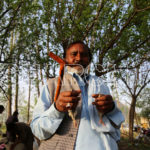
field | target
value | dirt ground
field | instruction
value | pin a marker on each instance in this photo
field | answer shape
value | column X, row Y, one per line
column 125, row 144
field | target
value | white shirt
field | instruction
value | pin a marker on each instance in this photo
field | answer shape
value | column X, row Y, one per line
column 91, row 134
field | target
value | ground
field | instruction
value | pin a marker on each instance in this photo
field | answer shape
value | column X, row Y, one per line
column 125, row 144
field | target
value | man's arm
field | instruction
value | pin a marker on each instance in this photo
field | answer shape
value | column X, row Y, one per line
column 106, row 105
column 116, row 117
column 46, row 118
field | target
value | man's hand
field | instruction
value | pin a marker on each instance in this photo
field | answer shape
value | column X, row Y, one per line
column 67, row 100
column 103, row 103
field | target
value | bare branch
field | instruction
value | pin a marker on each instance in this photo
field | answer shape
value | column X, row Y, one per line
column 136, row 79
column 146, row 83
column 4, row 91
column 124, row 81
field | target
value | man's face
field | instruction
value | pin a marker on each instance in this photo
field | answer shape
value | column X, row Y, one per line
column 76, row 54
column 1, row 111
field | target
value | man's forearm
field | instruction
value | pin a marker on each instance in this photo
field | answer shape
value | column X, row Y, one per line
column 45, row 124
column 116, row 117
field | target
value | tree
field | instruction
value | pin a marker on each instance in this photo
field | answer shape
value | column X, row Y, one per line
column 144, row 103
column 29, row 96
column 10, row 78
column 135, row 81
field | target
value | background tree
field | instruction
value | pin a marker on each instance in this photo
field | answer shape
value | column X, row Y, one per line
column 144, row 103
column 135, row 81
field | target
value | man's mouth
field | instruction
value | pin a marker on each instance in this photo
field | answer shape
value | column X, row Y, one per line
column 76, row 69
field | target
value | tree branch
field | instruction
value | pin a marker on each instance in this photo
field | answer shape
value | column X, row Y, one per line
column 11, row 20
column 133, row 50
column 145, row 83
column 124, row 81
column 89, row 27
column 142, row 88
column 1, row 16
column 4, row 92
column 144, row 9
column 10, row 23
column 113, row 41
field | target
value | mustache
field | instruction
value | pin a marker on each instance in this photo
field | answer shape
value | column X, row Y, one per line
column 78, row 62
column 75, row 65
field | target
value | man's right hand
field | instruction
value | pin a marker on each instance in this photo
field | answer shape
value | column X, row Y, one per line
column 67, row 100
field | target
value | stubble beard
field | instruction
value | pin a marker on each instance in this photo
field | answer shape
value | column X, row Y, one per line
column 78, row 69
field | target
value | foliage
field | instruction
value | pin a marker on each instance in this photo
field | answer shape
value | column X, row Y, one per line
column 144, row 103
column 117, row 33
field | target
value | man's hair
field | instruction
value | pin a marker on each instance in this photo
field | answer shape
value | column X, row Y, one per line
column 78, row 42
column 2, row 107
column 15, row 113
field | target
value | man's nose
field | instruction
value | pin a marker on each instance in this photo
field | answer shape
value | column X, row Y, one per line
column 78, row 57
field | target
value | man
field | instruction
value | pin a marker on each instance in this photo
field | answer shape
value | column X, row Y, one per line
column 89, row 97
column 20, row 136
column 10, row 126
column 13, row 118
column 1, row 109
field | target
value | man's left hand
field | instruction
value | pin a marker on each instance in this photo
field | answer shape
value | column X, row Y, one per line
column 103, row 103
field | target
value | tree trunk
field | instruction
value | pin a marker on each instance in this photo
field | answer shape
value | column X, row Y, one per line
column 17, row 84
column 9, row 91
column 131, row 117
column 9, row 78
column 29, row 93
column 136, row 118
column 47, row 65
column 36, row 69
column 37, row 81
column 41, row 74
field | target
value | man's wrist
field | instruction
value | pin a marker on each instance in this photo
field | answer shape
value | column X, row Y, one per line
column 55, row 106
column 113, row 107
column 56, row 110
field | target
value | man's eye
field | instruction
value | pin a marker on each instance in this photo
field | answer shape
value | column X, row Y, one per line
column 73, row 54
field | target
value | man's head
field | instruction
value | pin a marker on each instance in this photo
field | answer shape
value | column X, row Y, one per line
column 1, row 109
column 15, row 113
column 78, row 53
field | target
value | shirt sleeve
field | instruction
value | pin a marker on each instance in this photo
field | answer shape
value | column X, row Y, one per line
column 46, row 118
column 116, row 117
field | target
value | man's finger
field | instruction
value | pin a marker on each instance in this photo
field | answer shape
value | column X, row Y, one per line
column 97, row 95
column 75, row 92
column 71, row 93
column 70, row 99
column 105, row 107
column 100, row 103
